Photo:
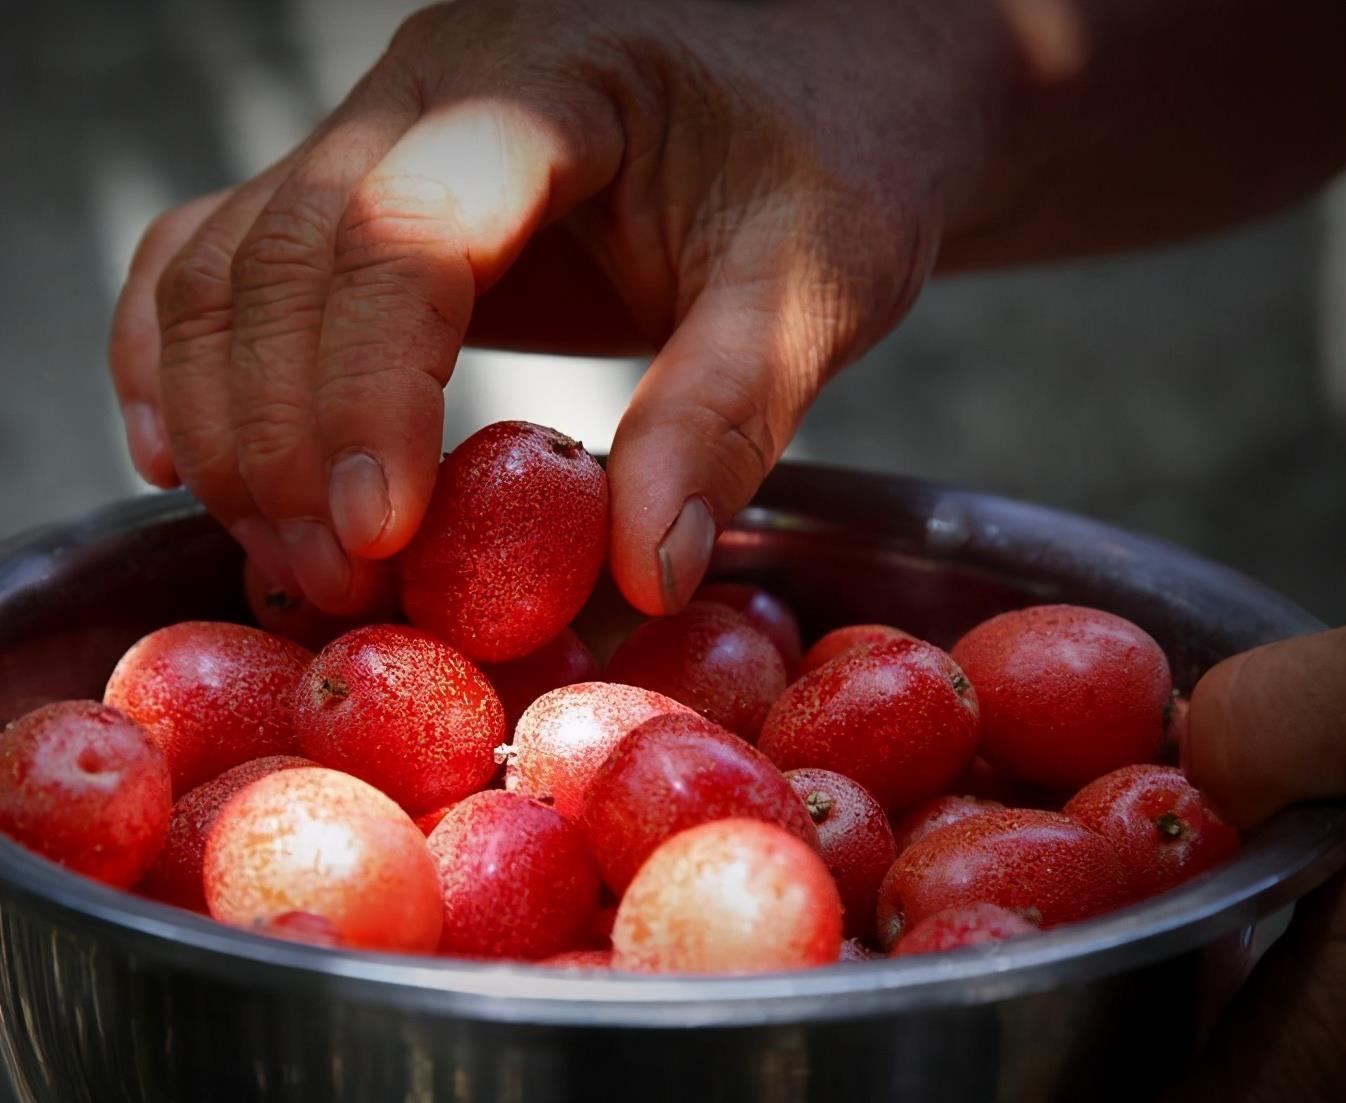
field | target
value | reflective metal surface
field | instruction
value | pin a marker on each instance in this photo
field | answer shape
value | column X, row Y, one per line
column 104, row 996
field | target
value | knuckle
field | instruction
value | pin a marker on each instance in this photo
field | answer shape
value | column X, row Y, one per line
column 270, row 431
column 195, row 283
column 201, row 451
column 285, row 245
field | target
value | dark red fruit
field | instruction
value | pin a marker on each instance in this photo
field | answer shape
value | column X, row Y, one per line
column 302, row 927
column 210, row 695
column 1042, row 865
column 428, row 821
column 1067, row 693
column 955, row 928
column 672, row 773
column 515, row 877
column 176, row 876
column 854, row 839
column 277, row 610
column 402, row 710
column 732, row 896
column 563, row 661
column 84, row 786
column 1175, row 727
column 986, row 782
column 1158, row 822
column 764, row 611
column 323, row 842
column 898, row 717
column 929, row 816
column 709, row 658
column 512, row 541
column 841, row 640
column 566, row 735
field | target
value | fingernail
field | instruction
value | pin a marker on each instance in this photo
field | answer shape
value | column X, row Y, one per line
column 358, row 498
column 145, row 435
column 685, row 553
column 317, row 561
column 264, row 548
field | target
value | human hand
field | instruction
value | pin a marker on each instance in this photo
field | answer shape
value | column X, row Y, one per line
column 1267, row 728
column 691, row 177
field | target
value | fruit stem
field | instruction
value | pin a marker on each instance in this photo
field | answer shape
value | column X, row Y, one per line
column 1171, row 825
column 335, row 687
column 820, row 806
column 505, row 754
column 960, row 683
column 279, row 599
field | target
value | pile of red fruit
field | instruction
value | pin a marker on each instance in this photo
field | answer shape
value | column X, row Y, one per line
column 718, row 800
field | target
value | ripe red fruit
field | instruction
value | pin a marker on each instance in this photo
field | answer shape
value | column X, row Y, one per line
column 929, row 816
column 516, row 879
column 566, row 735
column 428, row 821
column 764, row 611
column 511, row 543
column 1158, row 822
column 1067, row 693
column 1042, row 865
column 731, row 896
column 302, row 927
column 176, row 876
column 709, row 658
column 954, row 928
column 291, row 615
column 841, row 640
column 403, row 711
column 898, row 717
column 674, row 772
column 82, row 785
column 323, row 842
column 986, row 782
column 854, row 839
column 579, row 959
column 563, row 661
column 210, row 695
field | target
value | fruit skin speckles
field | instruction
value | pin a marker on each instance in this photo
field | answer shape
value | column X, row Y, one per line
column 956, row 928
column 1067, row 693
column 730, row 896
column 1042, row 865
column 211, row 695
column 841, row 640
column 402, row 710
column 83, row 785
column 1159, row 823
column 511, row 543
column 898, row 717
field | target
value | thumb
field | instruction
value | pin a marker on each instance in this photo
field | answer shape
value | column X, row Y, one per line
column 1268, row 727
column 721, row 401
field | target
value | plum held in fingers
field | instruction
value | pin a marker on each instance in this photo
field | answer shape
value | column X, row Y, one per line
column 565, row 736
column 564, row 661
column 402, row 710
column 709, row 658
column 1042, row 865
column 854, row 839
column 763, row 610
column 1067, row 693
column 672, row 773
column 516, row 879
column 729, row 896
column 1158, row 822
column 511, row 544
column 211, row 695
column 323, row 842
column 291, row 615
column 86, row 787
column 176, row 876
column 898, row 717
column 956, row 928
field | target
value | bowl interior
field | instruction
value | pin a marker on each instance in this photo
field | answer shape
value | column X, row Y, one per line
column 842, row 548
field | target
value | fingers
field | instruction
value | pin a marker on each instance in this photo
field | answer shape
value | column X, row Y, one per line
column 721, row 401
column 133, row 343
column 1268, row 727
column 439, row 219
column 1285, row 1035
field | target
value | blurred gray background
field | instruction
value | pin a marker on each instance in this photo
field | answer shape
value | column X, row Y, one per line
column 1198, row 393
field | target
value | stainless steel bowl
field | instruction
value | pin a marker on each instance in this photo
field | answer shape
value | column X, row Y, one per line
column 104, row 996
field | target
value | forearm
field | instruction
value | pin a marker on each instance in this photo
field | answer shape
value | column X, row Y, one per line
column 1133, row 122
